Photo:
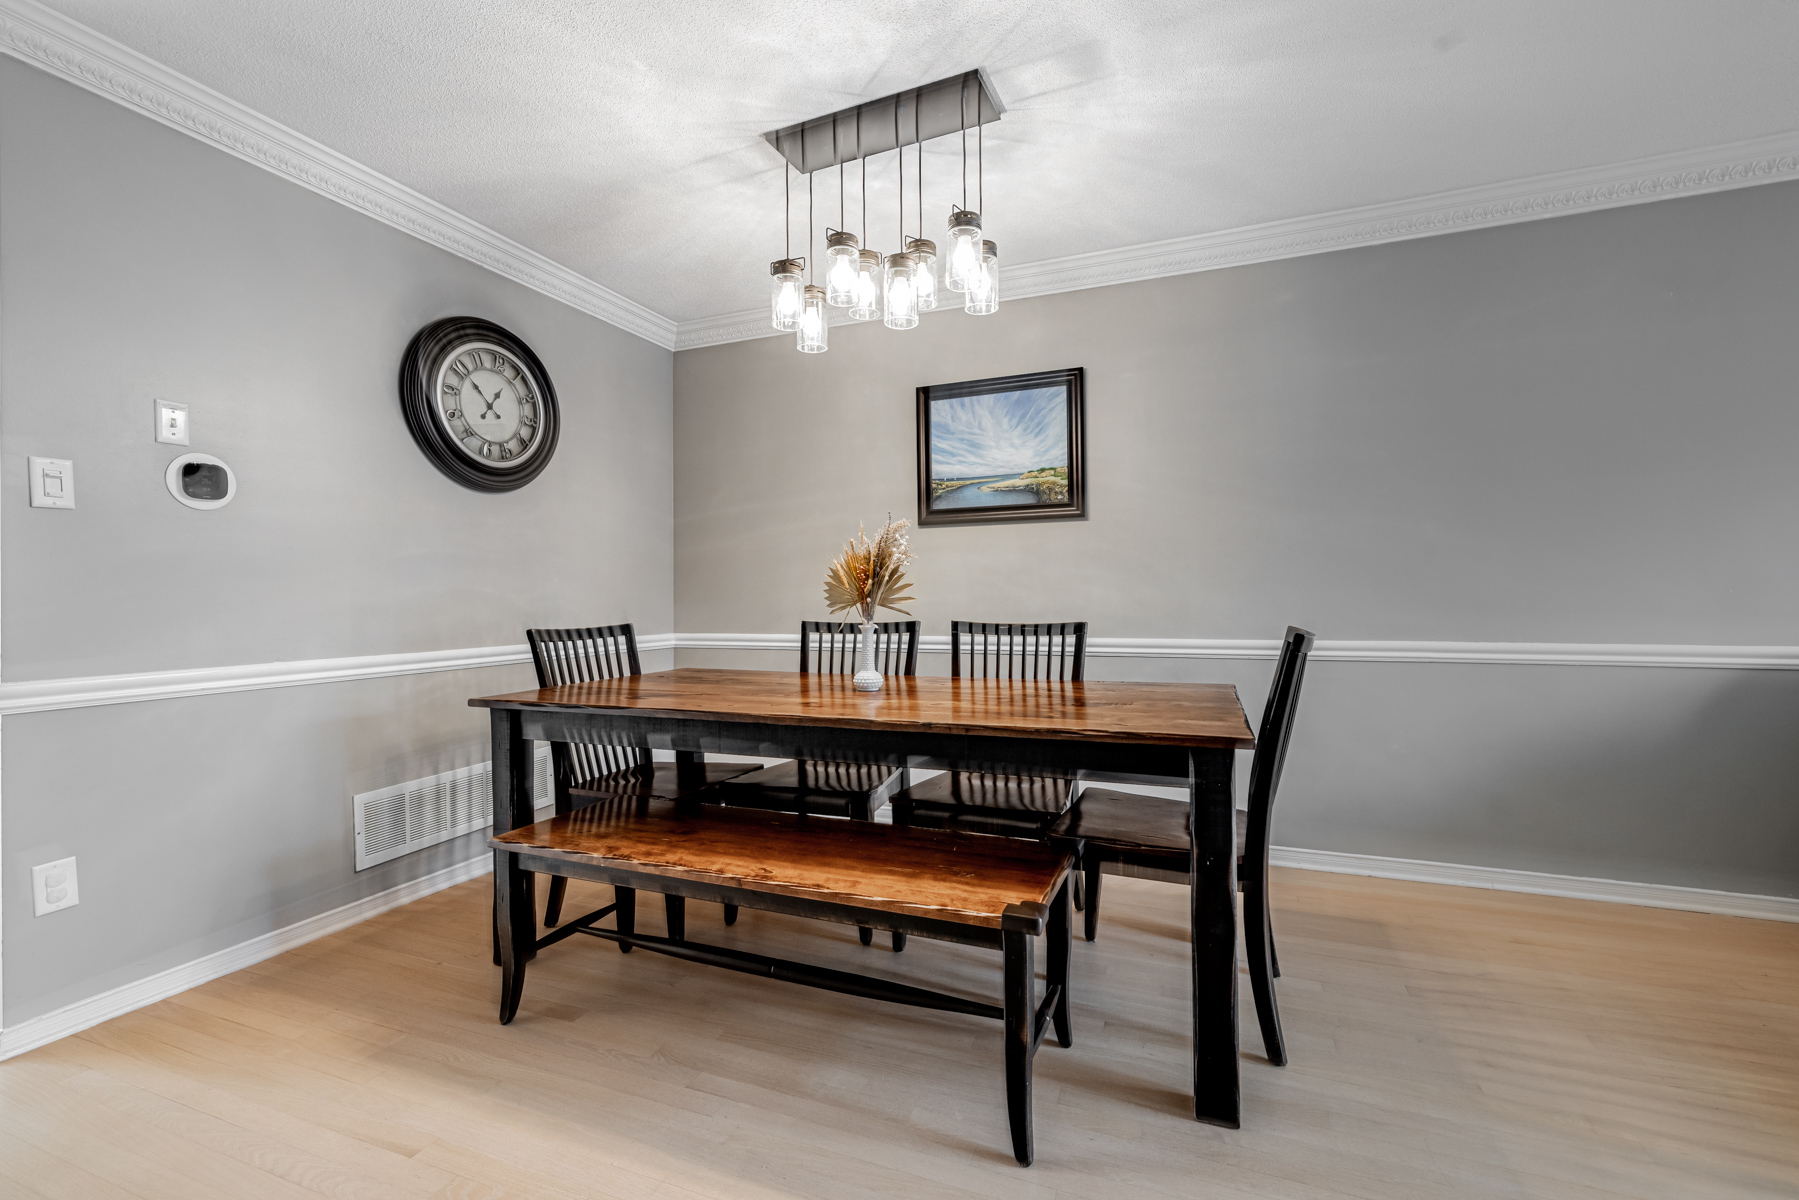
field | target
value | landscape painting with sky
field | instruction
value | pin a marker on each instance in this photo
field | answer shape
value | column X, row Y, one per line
column 1001, row 448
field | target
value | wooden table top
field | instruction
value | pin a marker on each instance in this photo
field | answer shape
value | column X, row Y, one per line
column 1163, row 714
column 961, row 877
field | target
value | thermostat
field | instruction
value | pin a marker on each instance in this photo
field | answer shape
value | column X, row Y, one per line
column 201, row 481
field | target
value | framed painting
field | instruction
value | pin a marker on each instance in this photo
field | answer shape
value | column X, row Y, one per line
column 1004, row 449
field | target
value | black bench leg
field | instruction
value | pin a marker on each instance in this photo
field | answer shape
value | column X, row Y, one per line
column 625, row 918
column 899, row 940
column 675, row 908
column 1059, row 951
column 552, row 909
column 1258, row 943
column 516, row 924
column 1020, row 1017
column 730, row 914
column 866, row 935
column 1092, row 914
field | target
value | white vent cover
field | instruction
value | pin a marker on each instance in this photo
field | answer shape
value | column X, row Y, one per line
column 410, row 816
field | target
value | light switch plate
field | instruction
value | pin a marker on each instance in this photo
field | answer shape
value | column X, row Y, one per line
column 171, row 422
column 53, row 887
column 52, row 483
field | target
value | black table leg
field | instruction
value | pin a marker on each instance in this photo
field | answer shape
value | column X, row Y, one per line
column 690, row 770
column 1217, row 1097
column 676, row 909
column 1060, row 932
column 515, row 918
column 624, row 916
column 1021, row 1013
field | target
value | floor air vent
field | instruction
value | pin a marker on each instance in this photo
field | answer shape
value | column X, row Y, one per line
column 410, row 816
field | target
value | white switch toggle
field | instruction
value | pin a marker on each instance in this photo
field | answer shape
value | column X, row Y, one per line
column 171, row 422
column 53, row 887
column 52, row 483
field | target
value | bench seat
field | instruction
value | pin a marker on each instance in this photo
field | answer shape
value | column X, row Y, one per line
column 995, row 892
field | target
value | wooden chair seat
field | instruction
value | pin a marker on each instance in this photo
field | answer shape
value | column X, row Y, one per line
column 1151, row 827
column 661, row 780
column 994, row 892
column 822, row 788
column 984, row 802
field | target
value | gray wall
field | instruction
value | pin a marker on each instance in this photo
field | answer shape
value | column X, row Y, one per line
column 136, row 262
column 1576, row 430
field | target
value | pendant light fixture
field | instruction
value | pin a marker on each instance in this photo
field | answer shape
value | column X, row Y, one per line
column 895, row 288
column 812, row 328
column 785, row 291
column 922, row 251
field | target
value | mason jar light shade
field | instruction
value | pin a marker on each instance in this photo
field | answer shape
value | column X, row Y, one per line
column 900, row 296
column 983, row 285
column 840, row 269
column 963, row 258
column 786, row 294
column 865, row 303
column 924, row 280
column 813, row 328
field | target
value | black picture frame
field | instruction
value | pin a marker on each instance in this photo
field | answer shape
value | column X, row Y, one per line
column 931, row 490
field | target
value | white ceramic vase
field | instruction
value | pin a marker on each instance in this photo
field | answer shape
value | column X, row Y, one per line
column 868, row 675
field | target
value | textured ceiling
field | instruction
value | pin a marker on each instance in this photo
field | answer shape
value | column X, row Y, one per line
column 622, row 139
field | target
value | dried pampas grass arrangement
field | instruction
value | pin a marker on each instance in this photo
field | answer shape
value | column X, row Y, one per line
column 870, row 575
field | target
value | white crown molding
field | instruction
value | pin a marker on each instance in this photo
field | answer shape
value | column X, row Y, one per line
column 85, row 1014
column 1662, row 177
column 1550, row 654
column 1536, row 883
column 72, row 51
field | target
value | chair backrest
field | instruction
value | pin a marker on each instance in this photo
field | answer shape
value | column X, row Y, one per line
column 1271, row 747
column 584, row 656
column 830, row 647
column 982, row 650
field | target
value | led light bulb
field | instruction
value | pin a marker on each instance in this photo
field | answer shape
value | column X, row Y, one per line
column 785, row 293
column 924, row 253
column 865, row 304
column 901, row 292
column 964, row 256
column 813, row 328
column 983, row 285
column 841, row 263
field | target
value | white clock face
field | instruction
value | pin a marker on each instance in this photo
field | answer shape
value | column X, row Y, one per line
column 486, row 402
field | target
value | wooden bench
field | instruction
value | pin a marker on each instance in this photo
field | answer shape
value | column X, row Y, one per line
column 979, row 891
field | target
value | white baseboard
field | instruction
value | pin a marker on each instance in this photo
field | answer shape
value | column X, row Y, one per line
column 84, row 1014
column 1573, row 887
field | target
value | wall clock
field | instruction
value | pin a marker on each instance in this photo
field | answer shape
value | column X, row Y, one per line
column 479, row 404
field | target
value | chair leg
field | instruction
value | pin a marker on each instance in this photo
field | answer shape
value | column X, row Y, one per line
column 676, row 909
column 899, row 940
column 1020, row 1016
column 1274, row 960
column 625, row 917
column 866, row 934
column 1092, row 914
column 1080, row 887
column 1060, row 950
column 730, row 914
column 516, row 928
column 1261, row 980
column 552, row 910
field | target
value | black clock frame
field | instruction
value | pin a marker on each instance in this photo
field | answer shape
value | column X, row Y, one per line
column 418, row 383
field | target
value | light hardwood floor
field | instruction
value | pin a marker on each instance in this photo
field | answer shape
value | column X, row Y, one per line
column 1445, row 1042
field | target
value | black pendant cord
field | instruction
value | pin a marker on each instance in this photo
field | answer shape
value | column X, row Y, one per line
column 962, row 113
column 811, row 245
column 917, row 141
column 787, row 204
column 899, row 152
column 980, row 162
column 863, row 162
column 835, row 153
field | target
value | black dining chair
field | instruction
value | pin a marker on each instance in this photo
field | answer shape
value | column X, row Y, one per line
column 589, row 773
column 1149, row 835
column 998, row 802
column 824, row 788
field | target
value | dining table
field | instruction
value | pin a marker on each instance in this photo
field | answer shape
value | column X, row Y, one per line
column 1179, row 734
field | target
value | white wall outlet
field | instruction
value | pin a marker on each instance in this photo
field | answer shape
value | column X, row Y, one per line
column 53, row 887
column 171, row 422
column 52, row 483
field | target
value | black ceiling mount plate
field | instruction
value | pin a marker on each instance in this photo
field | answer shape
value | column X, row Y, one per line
column 947, row 106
